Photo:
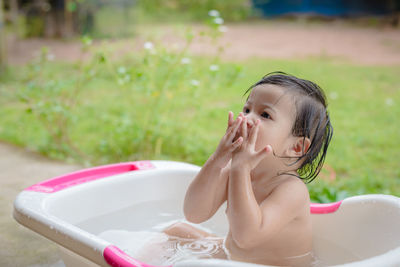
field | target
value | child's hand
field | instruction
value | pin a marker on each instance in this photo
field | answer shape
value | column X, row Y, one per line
column 245, row 155
column 228, row 143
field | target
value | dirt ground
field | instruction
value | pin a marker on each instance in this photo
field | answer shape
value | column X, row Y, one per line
column 359, row 45
column 21, row 168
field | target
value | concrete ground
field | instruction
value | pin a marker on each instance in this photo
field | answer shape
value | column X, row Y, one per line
column 19, row 169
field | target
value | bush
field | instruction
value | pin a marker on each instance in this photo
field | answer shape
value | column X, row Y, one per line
column 103, row 110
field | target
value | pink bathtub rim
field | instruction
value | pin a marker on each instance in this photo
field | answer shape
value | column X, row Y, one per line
column 318, row 208
column 87, row 175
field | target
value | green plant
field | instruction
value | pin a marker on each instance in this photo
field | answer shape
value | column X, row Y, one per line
column 323, row 192
column 51, row 101
column 128, row 129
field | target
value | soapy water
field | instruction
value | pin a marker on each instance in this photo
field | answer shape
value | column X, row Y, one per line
column 151, row 216
column 137, row 230
column 158, row 248
column 200, row 247
column 177, row 249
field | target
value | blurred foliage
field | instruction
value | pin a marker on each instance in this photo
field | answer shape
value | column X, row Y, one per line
column 136, row 96
column 233, row 10
column 119, row 18
column 323, row 192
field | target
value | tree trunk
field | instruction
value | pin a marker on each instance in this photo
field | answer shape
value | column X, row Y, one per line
column 14, row 12
column 3, row 55
column 68, row 20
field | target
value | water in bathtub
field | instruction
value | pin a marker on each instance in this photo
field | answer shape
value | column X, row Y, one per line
column 137, row 230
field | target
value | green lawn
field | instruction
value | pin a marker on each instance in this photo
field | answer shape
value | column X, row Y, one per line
column 151, row 106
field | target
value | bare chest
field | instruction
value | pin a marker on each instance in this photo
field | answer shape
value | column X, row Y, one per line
column 262, row 190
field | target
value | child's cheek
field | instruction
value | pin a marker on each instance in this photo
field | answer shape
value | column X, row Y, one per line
column 261, row 138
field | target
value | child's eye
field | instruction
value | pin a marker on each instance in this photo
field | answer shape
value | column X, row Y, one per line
column 265, row 115
column 246, row 110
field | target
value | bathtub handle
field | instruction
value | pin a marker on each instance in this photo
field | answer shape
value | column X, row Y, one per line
column 323, row 208
column 87, row 175
column 116, row 257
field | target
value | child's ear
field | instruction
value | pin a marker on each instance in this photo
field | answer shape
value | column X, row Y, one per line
column 300, row 147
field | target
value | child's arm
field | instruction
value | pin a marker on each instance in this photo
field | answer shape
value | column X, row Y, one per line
column 208, row 190
column 252, row 224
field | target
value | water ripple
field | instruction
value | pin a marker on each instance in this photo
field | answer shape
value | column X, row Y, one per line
column 205, row 247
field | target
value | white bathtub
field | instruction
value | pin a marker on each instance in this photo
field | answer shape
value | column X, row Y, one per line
column 73, row 209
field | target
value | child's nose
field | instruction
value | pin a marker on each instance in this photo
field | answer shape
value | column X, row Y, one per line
column 250, row 122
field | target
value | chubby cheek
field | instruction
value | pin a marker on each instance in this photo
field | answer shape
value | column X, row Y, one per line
column 263, row 138
column 269, row 136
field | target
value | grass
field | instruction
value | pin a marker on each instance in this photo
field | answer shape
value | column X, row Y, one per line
column 151, row 106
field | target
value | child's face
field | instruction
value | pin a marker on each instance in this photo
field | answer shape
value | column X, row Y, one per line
column 274, row 107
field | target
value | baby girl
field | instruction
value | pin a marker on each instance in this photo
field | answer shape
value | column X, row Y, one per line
column 274, row 146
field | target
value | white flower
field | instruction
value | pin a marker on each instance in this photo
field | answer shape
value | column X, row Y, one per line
column 185, row 60
column 121, row 70
column 223, row 28
column 333, row 95
column 389, row 102
column 195, row 83
column 219, row 20
column 148, row 46
column 213, row 13
column 214, row 68
column 127, row 78
column 87, row 40
column 51, row 57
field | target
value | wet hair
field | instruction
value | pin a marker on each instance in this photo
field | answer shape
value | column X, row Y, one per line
column 312, row 120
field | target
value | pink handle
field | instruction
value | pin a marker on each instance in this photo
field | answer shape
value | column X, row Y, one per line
column 117, row 258
column 317, row 208
column 87, row 175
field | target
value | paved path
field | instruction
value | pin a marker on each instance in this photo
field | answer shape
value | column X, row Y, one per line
column 19, row 169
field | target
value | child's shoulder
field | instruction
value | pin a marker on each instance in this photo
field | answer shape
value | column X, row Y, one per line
column 289, row 199
column 292, row 188
column 291, row 180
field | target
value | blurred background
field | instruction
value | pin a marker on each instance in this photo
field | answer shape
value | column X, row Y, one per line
column 91, row 82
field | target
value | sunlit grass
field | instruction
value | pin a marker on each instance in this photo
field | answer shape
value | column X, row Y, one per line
column 114, row 122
